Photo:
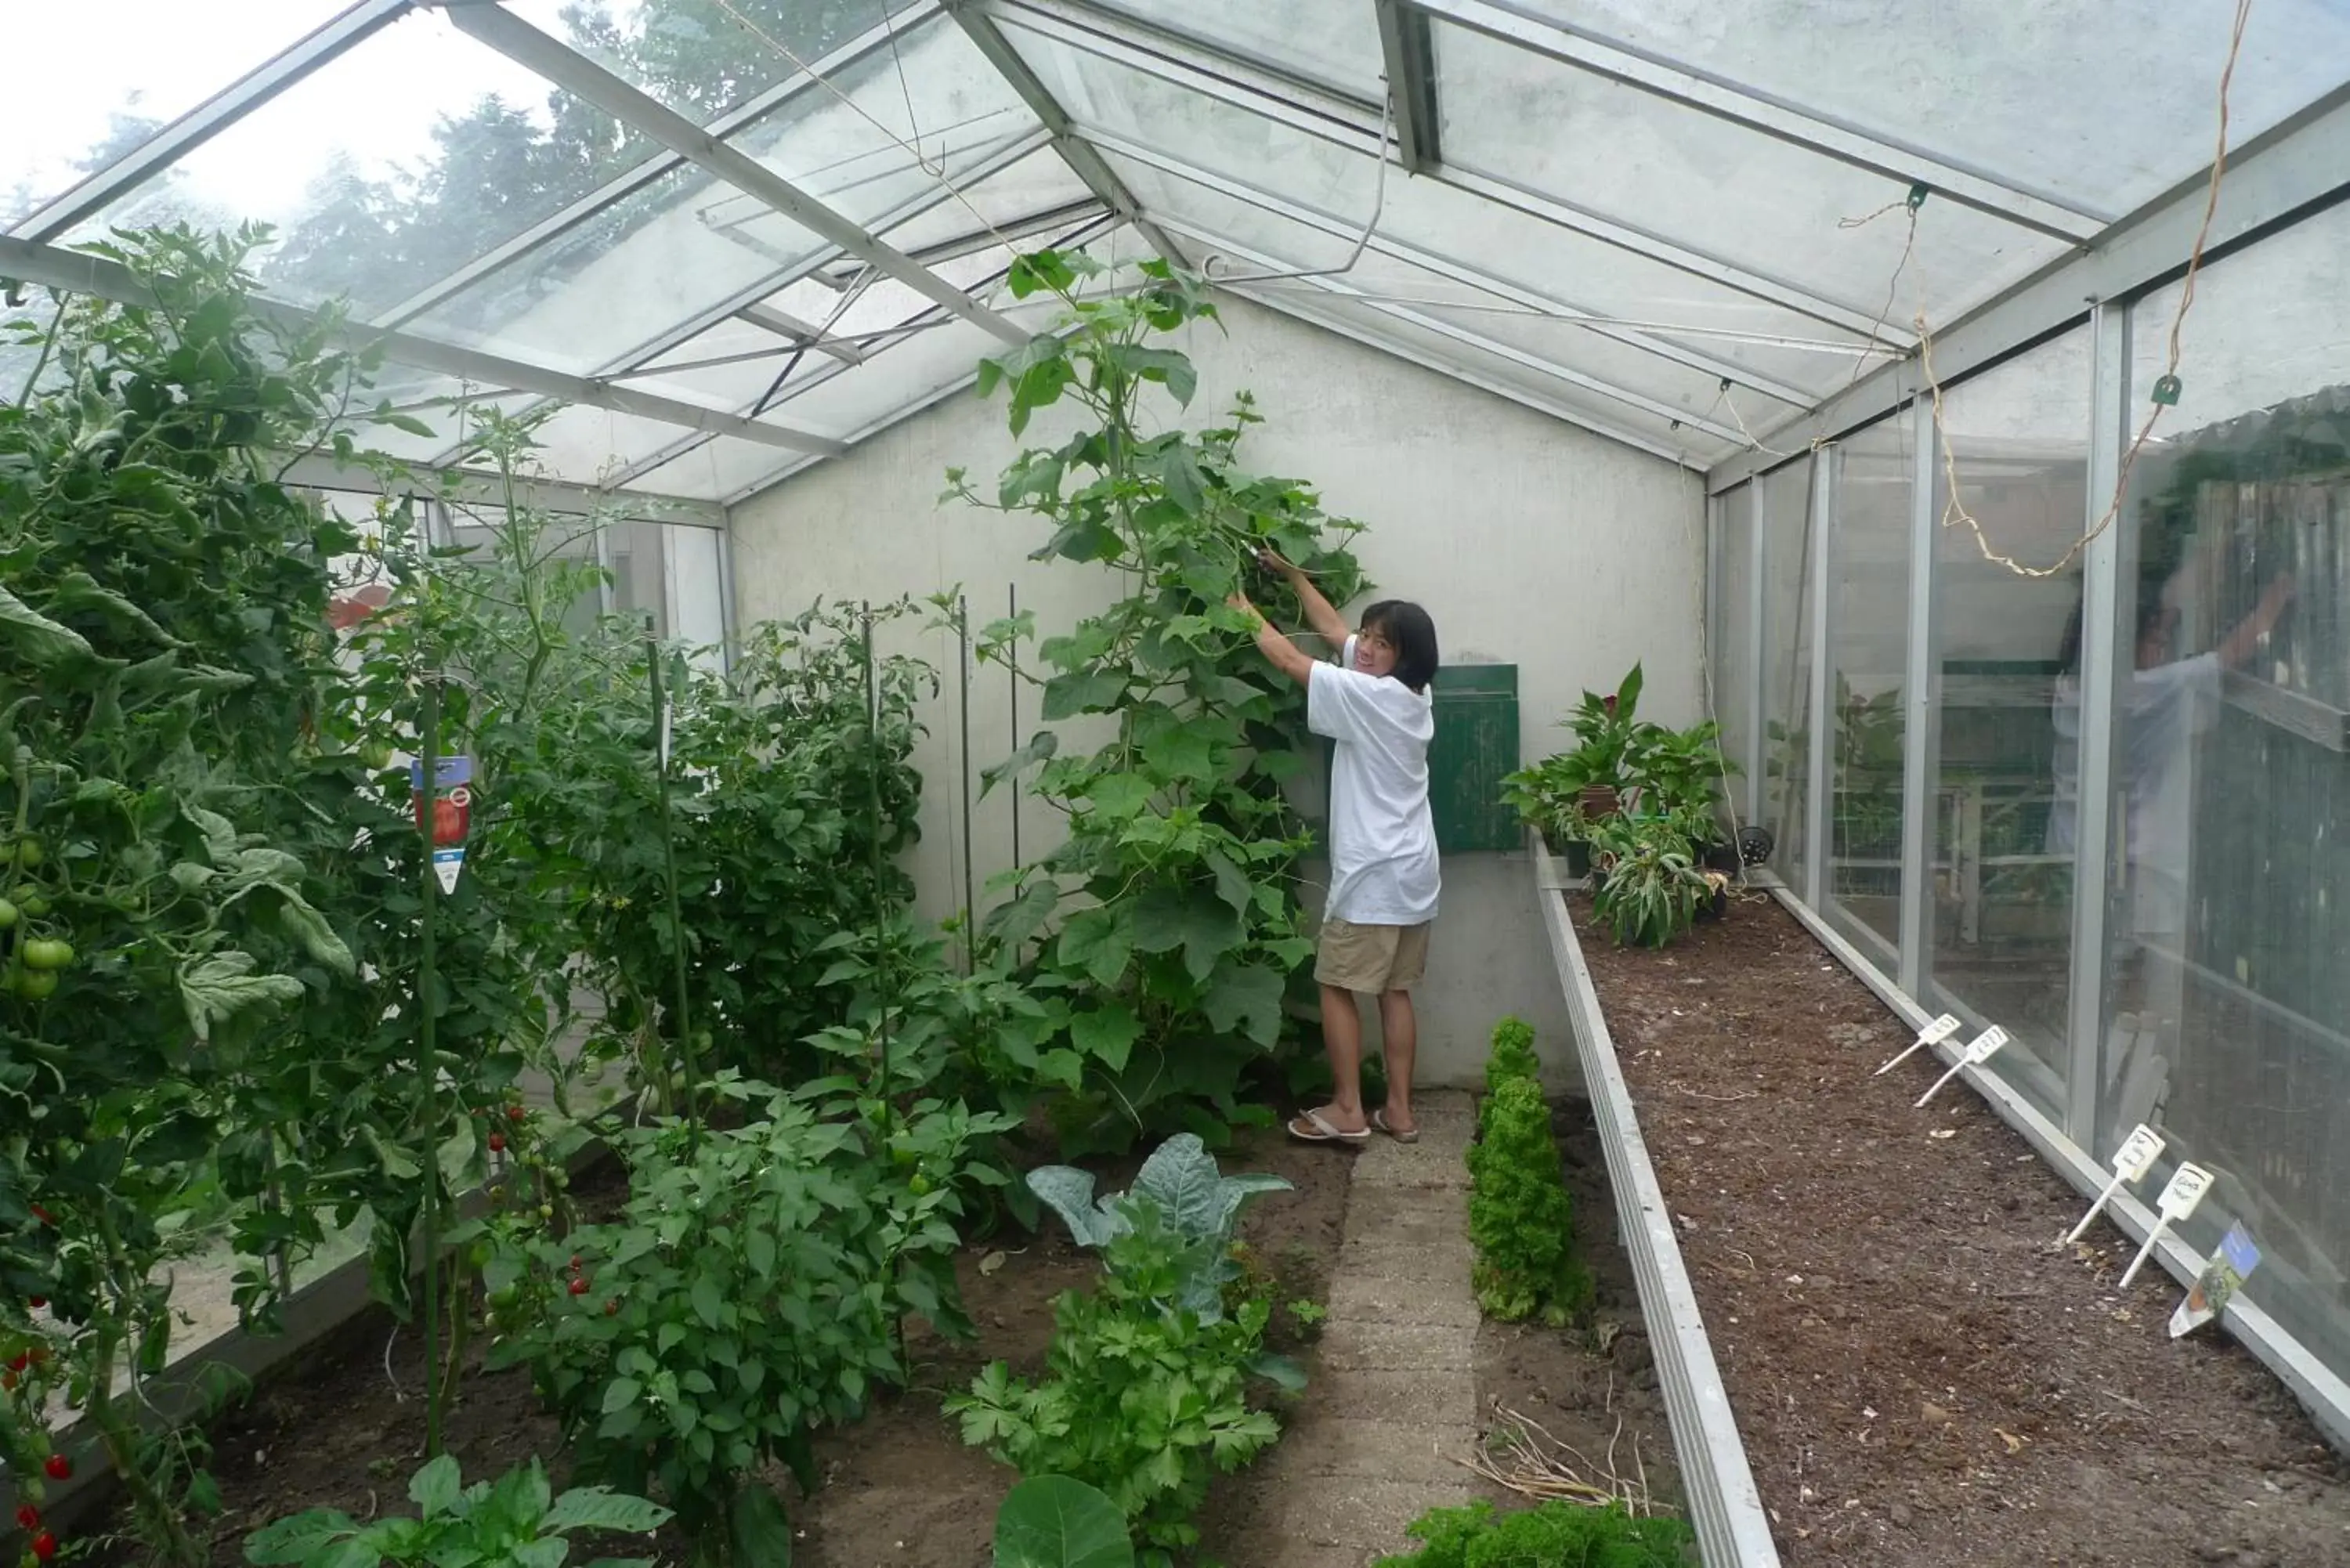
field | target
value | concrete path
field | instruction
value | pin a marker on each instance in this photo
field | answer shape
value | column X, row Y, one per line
column 1394, row 1396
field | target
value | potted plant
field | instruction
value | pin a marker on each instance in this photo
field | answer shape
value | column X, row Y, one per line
column 1646, row 884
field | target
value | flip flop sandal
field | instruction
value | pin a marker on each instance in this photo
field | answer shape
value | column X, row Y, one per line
column 1316, row 1129
column 1409, row 1134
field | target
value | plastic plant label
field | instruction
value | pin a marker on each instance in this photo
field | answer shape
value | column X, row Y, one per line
column 1934, row 1033
column 1981, row 1049
column 1985, row 1046
column 2131, row 1162
column 2137, row 1154
column 2188, row 1185
column 2222, row 1277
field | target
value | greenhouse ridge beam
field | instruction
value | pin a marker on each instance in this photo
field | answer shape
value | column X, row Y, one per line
column 573, row 71
column 1774, row 117
column 1459, row 272
column 617, row 189
column 1082, row 159
column 1467, row 339
column 53, row 268
column 100, row 191
column 2301, row 162
column 1354, row 124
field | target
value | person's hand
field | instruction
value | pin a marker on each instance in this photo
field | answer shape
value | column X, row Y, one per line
column 1239, row 600
column 2280, row 591
column 1273, row 561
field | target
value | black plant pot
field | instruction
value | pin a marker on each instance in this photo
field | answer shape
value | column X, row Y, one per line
column 1578, row 857
column 1721, row 857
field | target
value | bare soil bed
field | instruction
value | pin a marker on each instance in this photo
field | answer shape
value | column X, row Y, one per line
column 1922, row 1380
column 1592, row 1387
column 345, row 1428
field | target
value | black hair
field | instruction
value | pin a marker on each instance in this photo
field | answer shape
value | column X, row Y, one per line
column 1409, row 630
column 2150, row 612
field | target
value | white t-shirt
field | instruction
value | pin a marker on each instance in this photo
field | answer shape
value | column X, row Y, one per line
column 1383, row 868
column 2168, row 707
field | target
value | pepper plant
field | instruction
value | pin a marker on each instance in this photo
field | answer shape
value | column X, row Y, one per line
column 1168, row 970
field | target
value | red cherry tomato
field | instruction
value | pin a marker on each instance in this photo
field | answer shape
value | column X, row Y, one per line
column 578, row 1286
column 59, row 1468
column 44, row 1546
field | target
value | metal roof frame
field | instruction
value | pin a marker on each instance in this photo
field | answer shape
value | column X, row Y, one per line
column 557, row 62
column 53, row 267
column 1775, row 117
column 613, row 192
column 1461, row 335
column 1357, row 124
column 340, row 34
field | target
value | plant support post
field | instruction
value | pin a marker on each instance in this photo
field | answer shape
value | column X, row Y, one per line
column 962, row 687
column 429, row 761
column 687, row 1063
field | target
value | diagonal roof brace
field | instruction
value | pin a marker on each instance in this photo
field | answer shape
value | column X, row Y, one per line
column 71, row 270
column 785, row 325
column 1405, row 41
column 492, row 25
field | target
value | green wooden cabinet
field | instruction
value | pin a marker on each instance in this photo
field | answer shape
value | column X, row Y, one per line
column 1476, row 747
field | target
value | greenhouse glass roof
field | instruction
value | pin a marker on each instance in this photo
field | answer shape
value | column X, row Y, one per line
column 735, row 237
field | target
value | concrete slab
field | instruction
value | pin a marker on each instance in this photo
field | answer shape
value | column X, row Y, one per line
column 1413, row 1451
column 1433, row 1216
column 1380, row 1299
column 1427, row 1163
column 1281, row 1553
column 1360, row 1345
column 1356, row 1510
column 1446, row 1397
column 1435, row 1262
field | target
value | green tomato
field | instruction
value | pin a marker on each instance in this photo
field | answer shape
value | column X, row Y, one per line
column 29, row 902
column 7, row 914
column 28, row 853
column 35, row 984
column 43, row 952
column 375, row 756
column 919, row 1186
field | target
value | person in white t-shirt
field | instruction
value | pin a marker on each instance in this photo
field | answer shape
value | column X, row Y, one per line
column 1373, row 702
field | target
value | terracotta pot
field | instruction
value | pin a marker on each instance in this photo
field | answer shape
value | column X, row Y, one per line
column 1599, row 801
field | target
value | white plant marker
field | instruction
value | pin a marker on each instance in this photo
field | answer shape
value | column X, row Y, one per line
column 1934, row 1033
column 2188, row 1185
column 1981, row 1049
column 2131, row 1162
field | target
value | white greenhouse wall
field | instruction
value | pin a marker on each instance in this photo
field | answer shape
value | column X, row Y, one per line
column 1530, row 541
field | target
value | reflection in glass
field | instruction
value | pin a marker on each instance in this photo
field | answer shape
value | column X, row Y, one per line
column 2227, row 1001
column 2008, row 654
column 1869, row 652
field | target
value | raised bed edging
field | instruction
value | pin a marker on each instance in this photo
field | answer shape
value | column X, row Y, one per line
column 1734, row 1530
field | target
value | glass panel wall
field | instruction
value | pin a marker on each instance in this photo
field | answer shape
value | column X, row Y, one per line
column 2226, row 994
column 1868, row 648
column 1729, row 662
column 1790, row 577
column 2008, row 648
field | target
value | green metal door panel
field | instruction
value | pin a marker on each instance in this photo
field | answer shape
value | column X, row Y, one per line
column 1476, row 747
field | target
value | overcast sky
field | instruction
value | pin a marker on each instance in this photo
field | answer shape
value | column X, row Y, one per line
column 161, row 58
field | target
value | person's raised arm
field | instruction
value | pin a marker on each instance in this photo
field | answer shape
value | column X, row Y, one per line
column 1324, row 620
column 1285, row 656
column 2237, row 649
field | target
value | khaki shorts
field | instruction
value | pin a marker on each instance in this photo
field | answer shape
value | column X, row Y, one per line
column 1371, row 958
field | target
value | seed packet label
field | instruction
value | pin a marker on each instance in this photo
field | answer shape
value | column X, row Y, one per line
column 446, row 865
column 1985, row 1046
column 451, row 797
column 2222, row 1277
column 2137, row 1154
column 2188, row 1185
column 1942, row 1029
